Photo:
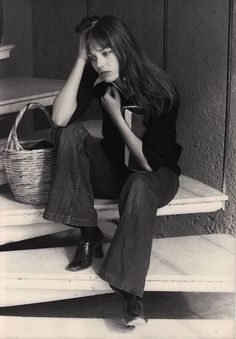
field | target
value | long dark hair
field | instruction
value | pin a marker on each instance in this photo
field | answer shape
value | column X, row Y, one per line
column 148, row 85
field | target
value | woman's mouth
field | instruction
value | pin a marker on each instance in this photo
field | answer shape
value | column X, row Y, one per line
column 105, row 73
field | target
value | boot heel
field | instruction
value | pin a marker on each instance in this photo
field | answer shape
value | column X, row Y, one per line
column 99, row 252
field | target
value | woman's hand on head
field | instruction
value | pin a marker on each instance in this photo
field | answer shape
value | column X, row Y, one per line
column 82, row 49
column 111, row 102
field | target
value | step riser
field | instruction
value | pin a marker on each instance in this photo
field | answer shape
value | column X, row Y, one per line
column 14, row 233
column 24, row 296
column 15, row 297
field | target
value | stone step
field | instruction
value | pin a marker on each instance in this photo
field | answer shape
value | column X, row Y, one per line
column 203, row 263
column 17, row 92
column 192, row 197
column 87, row 328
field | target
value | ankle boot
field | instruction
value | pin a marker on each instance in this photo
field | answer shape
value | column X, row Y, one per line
column 85, row 252
column 133, row 308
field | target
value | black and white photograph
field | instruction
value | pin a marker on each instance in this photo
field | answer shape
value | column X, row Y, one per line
column 117, row 169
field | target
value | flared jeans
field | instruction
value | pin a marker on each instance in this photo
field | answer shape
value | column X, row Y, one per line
column 84, row 171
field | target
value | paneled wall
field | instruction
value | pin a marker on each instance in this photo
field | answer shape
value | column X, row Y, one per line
column 17, row 27
column 144, row 18
column 55, row 40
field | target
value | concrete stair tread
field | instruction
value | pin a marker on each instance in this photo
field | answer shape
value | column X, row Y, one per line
column 176, row 264
column 167, row 258
column 87, row 328
column 16, row 92
column 192, row 197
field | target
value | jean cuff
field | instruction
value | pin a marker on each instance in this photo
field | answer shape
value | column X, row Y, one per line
column 70, row 220
column 121, row 284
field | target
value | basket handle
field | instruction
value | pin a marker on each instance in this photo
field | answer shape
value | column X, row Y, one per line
column 12, row 141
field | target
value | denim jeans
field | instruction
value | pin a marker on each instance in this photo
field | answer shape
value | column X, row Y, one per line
column 83, row 172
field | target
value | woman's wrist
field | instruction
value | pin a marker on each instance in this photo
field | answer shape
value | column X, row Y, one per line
column 118, row 118
column 81, row 60
column 77, row 71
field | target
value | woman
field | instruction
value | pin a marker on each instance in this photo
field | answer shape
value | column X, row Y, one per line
column 137, row 166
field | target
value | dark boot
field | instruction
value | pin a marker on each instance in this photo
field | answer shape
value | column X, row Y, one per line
column 134, row 311
column 133, row 308
column 85, row 252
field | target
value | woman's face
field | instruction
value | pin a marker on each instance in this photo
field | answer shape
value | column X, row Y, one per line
column 105, row 62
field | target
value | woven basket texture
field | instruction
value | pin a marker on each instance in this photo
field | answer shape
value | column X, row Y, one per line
column 29, row 172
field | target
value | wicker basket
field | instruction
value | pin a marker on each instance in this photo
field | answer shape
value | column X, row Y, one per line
column 29, row 172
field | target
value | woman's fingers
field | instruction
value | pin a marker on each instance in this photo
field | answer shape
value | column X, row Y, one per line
column 115, row 92
column 107, row 94
column 111, row 91
column 111, row 97
column 108, row 91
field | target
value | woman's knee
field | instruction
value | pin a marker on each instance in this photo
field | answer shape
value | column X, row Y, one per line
column 160, row 187
column 136, row 194
column 72, row 133
column 137, row 183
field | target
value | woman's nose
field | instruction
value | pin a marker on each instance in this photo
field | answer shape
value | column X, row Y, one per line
column 100, row 63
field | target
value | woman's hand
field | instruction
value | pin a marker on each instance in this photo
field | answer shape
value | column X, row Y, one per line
column 111, row 102
column 82, row 55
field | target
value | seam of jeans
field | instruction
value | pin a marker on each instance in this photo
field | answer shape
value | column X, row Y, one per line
column 63, row 216
column 74, row 195
column 66, row 218
column 84, row 135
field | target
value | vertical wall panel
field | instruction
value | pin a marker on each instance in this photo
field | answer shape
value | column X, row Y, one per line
column 197, row 60
column 18, row 31
column 144, row 18
column 55, row 40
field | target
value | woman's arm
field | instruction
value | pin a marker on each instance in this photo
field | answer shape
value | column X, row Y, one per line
column 112, row 105
column 134, row 144
column 65, row 103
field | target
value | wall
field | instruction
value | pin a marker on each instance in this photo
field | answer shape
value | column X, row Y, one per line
column 228, row 218
column 197, row 58
column 55, row 40
column 17, row 27
column 17, row 24
column 144, row 18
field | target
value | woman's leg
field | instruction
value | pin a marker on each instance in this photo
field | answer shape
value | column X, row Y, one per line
column 127, row 261
column 82, row 171
column 71, row 196
column 128, row 258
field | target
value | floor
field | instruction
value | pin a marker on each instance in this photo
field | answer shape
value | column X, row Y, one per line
column 159, row 305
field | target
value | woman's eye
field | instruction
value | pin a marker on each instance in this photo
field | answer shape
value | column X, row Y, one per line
column 106, row 53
